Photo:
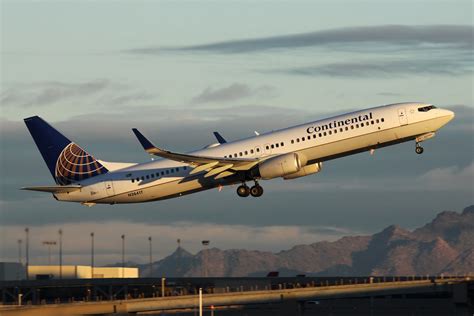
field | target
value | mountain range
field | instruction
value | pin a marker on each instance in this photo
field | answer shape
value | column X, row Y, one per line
column 443, row 246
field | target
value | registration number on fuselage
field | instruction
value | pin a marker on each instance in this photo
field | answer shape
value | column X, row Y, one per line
column 135, row 193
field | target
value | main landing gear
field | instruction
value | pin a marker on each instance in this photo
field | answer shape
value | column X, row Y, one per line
column 244, row 191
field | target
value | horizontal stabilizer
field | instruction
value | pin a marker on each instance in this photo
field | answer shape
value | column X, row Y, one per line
column 55, row 188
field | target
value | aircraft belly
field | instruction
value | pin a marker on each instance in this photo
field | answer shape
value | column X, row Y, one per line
column 159, row 191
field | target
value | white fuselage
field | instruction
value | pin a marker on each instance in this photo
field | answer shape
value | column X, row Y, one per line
column 317, row 141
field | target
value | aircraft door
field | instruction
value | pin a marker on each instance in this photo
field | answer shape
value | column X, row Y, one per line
column 402, row 116
column 109, row 188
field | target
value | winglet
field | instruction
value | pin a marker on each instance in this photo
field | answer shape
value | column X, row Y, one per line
column 147, row 145
column 220, row 139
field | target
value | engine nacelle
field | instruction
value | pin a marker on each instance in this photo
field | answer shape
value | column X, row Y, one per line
column 282, row 165
column 305, row 171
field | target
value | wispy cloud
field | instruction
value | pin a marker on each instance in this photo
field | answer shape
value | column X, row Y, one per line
column 454, row 36
column 102, row 91
column 386, row 68
column 50, row 92
column 235, row 91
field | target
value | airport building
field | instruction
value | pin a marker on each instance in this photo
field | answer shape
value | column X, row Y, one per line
column 11, row 271
column 79, row 272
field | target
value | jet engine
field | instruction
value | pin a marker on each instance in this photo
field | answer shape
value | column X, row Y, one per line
column 281, row 166
column 305, row 171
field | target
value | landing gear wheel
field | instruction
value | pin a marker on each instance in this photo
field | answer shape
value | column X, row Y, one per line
column 243, row 190
column 419, row 150
column 256, row 190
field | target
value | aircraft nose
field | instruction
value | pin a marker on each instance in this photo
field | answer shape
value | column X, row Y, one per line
column 449, row 113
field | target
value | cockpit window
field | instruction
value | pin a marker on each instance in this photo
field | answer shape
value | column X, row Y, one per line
column 426, row 108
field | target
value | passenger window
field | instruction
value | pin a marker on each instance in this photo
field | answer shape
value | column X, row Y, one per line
column 276, row 145
column 172, row 170
column 143, row 178
column 258, row 149
column 240, row 154
column 361, row 124
column 235, row 155
column 320, row 135
column 133, row 180
column 330, row 132
column 292, row 141
column 357, row 125
column 372, row 122
column 341, row 130
column 177, row 169
column 347, row 128
column 246, row 152
column 297, row 140
column 152, row 175
column 382, row 120
column 282, row 144
column 184, row 168
column 352, row 126
column 162, row 173
column 251, row 151
column 314, row 135
column 335, row 131
column 302, row 139
column 324, row 133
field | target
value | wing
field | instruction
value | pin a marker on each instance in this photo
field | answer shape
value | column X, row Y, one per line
column 215, row 166
column 55, row 188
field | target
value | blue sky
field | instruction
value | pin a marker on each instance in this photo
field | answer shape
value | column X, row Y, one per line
column 180, row 70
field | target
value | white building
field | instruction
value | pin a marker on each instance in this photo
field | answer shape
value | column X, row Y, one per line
column 80, row 272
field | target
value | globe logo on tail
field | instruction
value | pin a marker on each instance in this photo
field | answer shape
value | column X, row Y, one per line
column 75, row 164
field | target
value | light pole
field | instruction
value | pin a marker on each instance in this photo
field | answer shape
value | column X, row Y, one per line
column 92, row 255
column 49, row 243
column 151, row 258
column 123, row 255
column 27, row 251
column 20, row 268
column 19, row 251
column 205, row 243
column 60, row 232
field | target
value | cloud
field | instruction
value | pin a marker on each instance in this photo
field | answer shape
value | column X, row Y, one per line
column 449, row 178
column 235, row 91
column 386, row 68
column 453, row 36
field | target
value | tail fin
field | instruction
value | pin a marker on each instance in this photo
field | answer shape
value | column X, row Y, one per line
column 66, row 161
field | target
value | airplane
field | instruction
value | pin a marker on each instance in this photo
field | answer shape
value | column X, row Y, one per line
column 288, row 153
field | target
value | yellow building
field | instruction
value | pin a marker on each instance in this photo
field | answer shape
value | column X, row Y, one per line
column 80, row 272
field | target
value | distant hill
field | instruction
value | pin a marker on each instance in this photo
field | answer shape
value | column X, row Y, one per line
column 445, row 245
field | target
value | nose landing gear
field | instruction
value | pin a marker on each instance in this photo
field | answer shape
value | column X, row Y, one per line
column 418, row 149
column 244, row 191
